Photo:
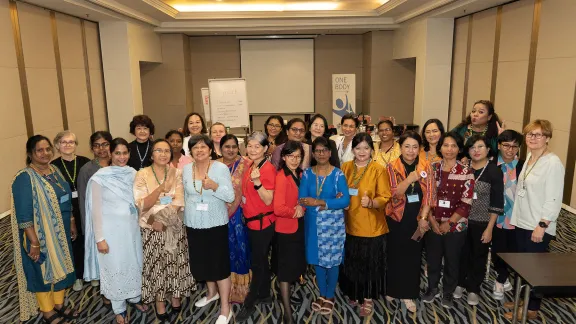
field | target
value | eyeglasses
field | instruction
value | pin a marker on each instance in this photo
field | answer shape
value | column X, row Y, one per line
column 275, row 125
column 293, row 157
column 321, row 151
column 510, row 147
column 298, row 130
column 477, row 148
column 535, row 135
column 385, row 130
column 67, row 143
column 100, row 145
column 161, row 151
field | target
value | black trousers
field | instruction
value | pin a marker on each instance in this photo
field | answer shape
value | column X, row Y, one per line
column 503, row 241
column 260, row 243
column 78, row 251
column 449, row 247
column 473, row 258
column 525, row 245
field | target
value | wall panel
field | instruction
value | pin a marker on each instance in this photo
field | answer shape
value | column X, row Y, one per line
column 516, row 31
column 557, row 28
column 479, row 83
column 483, row 32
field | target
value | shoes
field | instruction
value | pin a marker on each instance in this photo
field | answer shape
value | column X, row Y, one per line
column 498, row 291
column 205, row 301
column 458, row 292
column 410, row 305
column 245, row 313
column 78, row 284
column 473, row 299
column 430, row 295
column 447, row 301
column 507, row 285
column 223, row 319
column 532, row 315
column 95, row 283
column 510, row 305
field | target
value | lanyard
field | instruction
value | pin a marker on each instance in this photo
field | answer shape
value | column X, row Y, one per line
column 481, row 172
column 140, row 156
column 527, row 172
column 49, row 178
column 319, row 188
column 73, row 179
column 387, row 151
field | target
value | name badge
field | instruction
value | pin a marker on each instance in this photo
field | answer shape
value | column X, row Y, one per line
column 353, row 191
column 475, row 196
column 74, row 194
column 165, row 200
column 521, row 192
column 243, row 199
column 413, row 198
column 202, row 207
column 133, row 209
column 64, row 198
column 444, row 203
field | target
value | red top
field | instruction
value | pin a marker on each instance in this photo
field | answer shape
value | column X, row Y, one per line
column 285, row 200
column 252, row 204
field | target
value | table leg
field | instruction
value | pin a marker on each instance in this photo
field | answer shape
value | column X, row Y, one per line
column 526, row 301
column 516, row 298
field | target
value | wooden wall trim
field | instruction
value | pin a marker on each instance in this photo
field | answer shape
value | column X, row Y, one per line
column 531, row 67
column 496, row 55
column 467, row 67
column 87, row 72
column 102, row 78
column 21, row 68
column 59, row 69
column 571, row 157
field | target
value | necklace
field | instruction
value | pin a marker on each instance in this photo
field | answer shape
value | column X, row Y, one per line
column 48, row 177
column 321, row 184
column 73, row 179
column 382, row 154
column 140, row 156
column 527, row 172
column 470, row 131
column 156, row 177
column 356, row 181
column 194, row 166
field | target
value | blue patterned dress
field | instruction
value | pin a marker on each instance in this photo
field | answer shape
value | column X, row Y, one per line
column 325, row 231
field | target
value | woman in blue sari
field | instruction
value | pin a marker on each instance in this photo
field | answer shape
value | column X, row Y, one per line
column 42, row 234
column 237, row 235
column 113, row 239
column 324, row 192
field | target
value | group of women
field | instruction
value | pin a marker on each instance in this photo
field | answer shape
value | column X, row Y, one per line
column 148, row 219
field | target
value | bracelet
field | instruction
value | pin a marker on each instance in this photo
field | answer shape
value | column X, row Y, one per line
column 34, row 246
column 371, row 204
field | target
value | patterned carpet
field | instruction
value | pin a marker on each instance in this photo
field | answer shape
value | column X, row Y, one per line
column 488, row 311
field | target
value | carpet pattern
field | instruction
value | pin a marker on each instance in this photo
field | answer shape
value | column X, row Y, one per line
column 557, row 310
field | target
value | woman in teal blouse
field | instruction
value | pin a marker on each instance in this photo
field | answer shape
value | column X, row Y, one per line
column 42, row 233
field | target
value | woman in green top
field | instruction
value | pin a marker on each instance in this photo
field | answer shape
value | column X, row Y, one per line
column 484, row 121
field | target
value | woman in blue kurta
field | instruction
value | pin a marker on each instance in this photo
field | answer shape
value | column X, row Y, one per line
column 113, row 239
column 42, row 233
column 324, row 192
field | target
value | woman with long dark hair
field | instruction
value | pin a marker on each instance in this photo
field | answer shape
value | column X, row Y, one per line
column 483, row 121
column 275, row 130
column 318, row 127
column 193, row 125
column 432, row 130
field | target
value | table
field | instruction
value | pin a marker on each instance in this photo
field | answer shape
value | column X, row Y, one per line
column 550, row 274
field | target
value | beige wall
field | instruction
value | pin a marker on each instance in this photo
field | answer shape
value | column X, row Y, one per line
column 554, row 75
column 40, row 30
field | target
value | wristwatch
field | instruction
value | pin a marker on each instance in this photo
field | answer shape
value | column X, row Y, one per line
column 543, row 224
column 257, row 187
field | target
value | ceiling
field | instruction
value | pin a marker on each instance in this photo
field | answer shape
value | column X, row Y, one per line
column 244, row 17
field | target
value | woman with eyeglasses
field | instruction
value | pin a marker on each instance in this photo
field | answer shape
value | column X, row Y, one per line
column 274, row 129
column 159, row 196
column 113, row 239
column 388, row 150
column 258, row 187
column 296, row 130
column 142, row 128
column 207, row 191
column 349, row 124
column 237, row 234
column 364, row 271
column 179, row 158
column 413, row 191
column 324, row 193
column 69, row 165
column 318, row 127
column 290, row 251
column 448, row 220
column 193, row 125
column 431, row 132
column 487, row 204
column 538, row 200
column 100, row 146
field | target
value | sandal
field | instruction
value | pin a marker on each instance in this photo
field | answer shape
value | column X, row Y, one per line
column 410, row 305
column 54, row 317
column 352, row 302
column 176, row 309
column 70, row 315
column 327, row 307
column 161, row 317
column 124, row 318
column 106, row 302
column 317, row 304
column 367, row 308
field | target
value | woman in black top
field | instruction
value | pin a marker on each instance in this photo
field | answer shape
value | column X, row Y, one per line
column 69, row 164
column 487, row 204
column 318, row 127
column 142, row 127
